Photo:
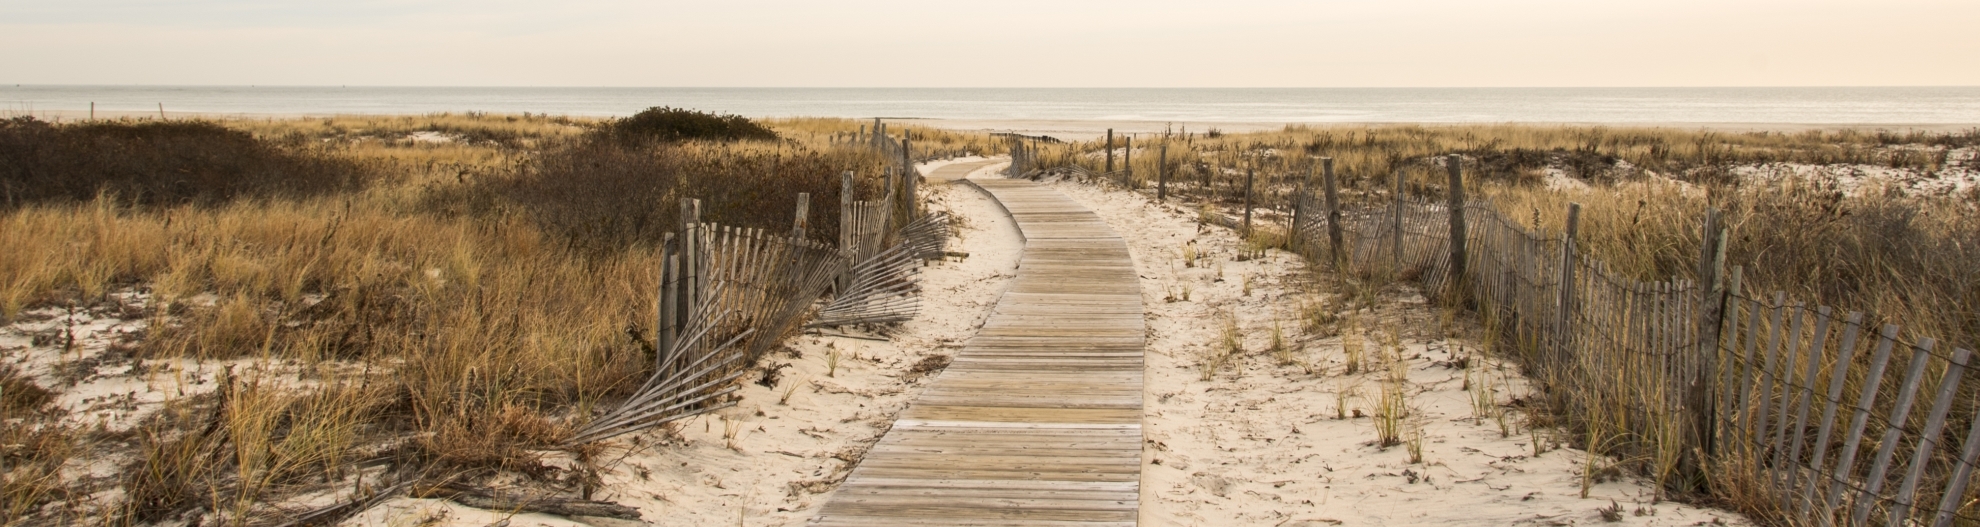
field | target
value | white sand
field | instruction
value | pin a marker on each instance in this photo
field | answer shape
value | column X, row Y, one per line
column 1260, row 445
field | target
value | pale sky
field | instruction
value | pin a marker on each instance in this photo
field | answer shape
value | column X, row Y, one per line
column 1066, row 43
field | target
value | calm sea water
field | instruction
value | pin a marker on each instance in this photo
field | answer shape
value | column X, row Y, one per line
column 1921, row 105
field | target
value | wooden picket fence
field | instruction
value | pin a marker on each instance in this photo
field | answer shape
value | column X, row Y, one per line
column 728, row 294
column 1720, row 390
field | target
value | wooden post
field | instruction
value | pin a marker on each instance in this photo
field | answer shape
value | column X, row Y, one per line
column 1333, row 210
column 1162, row 174
column 1396, row 232
column 1454, row 165
column 669, row 321
column 887, row 179
column 1110, row 151
column 1711, row 309
column 1567, row 288
column 1248, row 175
column 845, row 210
column 691, row 248
column 92, row 110
column 1294, row 238
column 161, row 111
column 909, row 186
column 1127, row 162
column 803, row 215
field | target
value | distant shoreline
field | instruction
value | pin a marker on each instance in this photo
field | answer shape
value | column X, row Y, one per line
column 1083, row 129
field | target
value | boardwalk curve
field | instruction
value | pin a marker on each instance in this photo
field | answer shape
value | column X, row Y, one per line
column 1038, row 420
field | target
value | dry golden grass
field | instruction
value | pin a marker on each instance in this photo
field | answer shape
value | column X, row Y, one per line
column 429, row 310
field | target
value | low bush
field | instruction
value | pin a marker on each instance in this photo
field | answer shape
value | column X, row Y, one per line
column 665, row 124
column 602, row 196
column 157, row 163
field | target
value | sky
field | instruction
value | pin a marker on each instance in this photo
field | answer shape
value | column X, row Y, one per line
column 1006, row 43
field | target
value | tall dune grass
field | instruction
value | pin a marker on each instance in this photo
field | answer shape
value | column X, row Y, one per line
column 471, row 303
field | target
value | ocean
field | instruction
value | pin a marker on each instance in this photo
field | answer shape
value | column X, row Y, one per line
column 1842, row 105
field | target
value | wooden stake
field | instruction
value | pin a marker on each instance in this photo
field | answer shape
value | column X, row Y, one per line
column 907, row 171
column 1110, row 151
column 1162, row 174
column 1333, row 210
column 1567, row 285
column 1453, row 165
column 803, row 215
column 1249, row 173
column 1127, row 162
column 1294, row 239
column 1396, row 232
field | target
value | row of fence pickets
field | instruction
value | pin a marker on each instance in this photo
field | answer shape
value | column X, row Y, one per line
column 730, row 294
column 1642, row 356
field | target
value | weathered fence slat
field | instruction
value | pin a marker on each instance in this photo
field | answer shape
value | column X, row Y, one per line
column 1861, row 419
column 1928, row 439
column 1873, row 483
column 1845, row 357
column 1955, row 493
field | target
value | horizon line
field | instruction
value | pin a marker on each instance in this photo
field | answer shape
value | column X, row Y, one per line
column 18, row 85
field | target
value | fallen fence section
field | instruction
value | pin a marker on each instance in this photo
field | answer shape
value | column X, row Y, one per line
column 730, row 294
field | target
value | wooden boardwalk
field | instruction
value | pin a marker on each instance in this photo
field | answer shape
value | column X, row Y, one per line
column 1038, row 420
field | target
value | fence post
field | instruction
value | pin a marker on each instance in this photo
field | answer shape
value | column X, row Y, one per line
column 1396, row 232
column 669, row 293
column 1127, row 163
column 1162, row 174
column 1249, row 173
column 1294, row 240
column 803, row 215
column 1567, row 289
column 690, row 254
column 1711, row 310
column 910, row 186
column 1333, row 210
column 1454, row 165
column 845, row 220
column 1110, row 151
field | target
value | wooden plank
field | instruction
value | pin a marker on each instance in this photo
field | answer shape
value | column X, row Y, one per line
column 1802, row 398
column 1768, row 375
column 1846, row 465
column 1789, row 354
column 1845, row 359
column 1955, row 492
column 1873, row 482
column 1928, row 439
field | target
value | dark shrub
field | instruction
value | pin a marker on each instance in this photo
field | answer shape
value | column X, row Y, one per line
column 666, row 124
column 601, row 196
column 156, row 163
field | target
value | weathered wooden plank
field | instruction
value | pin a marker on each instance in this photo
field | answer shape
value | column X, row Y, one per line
column 1873, row 481
column 1928, row 439
column 1846, row 465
